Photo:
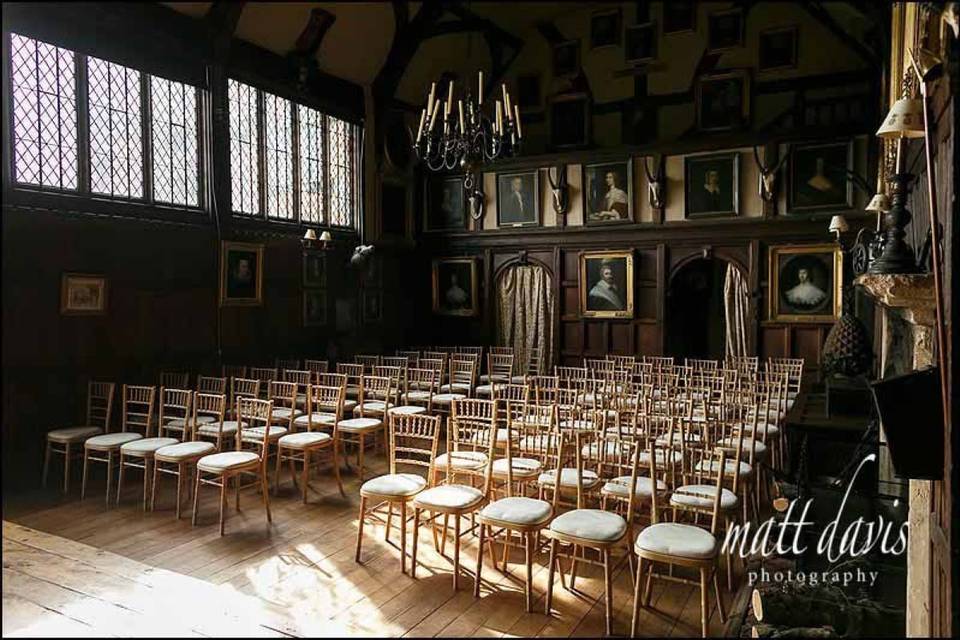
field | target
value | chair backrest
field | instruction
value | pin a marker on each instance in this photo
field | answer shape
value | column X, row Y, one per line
column 368, row 362
column 595, row 365
column 531, row 433
column 100, row 404
column 316, row 366
column 331, row 379
column 394, row 361
column 437, row 365
column 421, row 380
column 243, row 388
column 474, row 351
column 174, row 404
column 413, row 357
column 374, row 388
column 471, row 425
column 287, row 363
column 567, row 374
column 138, row 405
column 326, row 400
column 255, row 413
column 354, row 372
column 463, row 370
column 210, row 384
column 702, row 365
column 500, row 365
column 283, row 394
column 175, row 379
column 506, row 391
column 300, row 377
column 414, row 439
column 534, row 364
column 709, row 467
column 613, row 459
column 233, row 371
column 212, row 405
column 622, row 362
column 502, row 351
column 265, row 375
column 398, row 379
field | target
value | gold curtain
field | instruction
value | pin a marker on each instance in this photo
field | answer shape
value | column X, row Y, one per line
column 736, row 308
column 525, row 313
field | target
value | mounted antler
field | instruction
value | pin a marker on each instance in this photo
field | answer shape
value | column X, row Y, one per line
column 559, row 189
column 768, row 175
column 656, row 184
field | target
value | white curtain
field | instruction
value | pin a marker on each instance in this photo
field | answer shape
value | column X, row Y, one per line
column 525, row 313
column 736, row 307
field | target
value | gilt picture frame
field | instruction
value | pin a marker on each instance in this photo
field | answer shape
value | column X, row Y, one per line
column 606, row 284
column 805, row 283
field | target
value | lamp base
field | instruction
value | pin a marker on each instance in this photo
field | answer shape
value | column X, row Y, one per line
column 897, row 256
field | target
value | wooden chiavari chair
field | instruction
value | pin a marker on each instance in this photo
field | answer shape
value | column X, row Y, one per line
column 659, row 362
column 216, row 428
column 303, row 379
column 589, row 529
column 398, row 381
column 174, row 380
column 138, row 454
column 286, row 363
column 368, row 423
column 461, row 384
column 413, row 358
column 437, row 366
column 368, row 362
column 316, row 367
column 233, row 371
column 685, row 545
column 137, row 404
column 99, row 409
column 337, row 380
column 568, row 375
column 265, row 375
column 354, row 373
column 298, row 447
column 413, row 443
column 471, row 424
column 417, row 396
column 699, row 364
column 210, row 384
column 283, row 397
column 622, row 362
column 597, row 365
column 533, row 366
column 241, row 388
column 544, row 388
column 394, row 361
column 181, row 458
column 221, row 468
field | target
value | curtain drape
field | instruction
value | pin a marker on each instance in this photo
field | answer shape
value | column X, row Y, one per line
column 525, row 313
column 736, row 306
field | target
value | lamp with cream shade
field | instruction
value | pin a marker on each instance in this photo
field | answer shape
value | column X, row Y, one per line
column 838, row 225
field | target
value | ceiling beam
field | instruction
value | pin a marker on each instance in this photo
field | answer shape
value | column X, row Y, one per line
column 220, row 22
column 819, row 13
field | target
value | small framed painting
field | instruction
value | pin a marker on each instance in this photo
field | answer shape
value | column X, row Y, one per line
column 723, row 101
column 241, row 274
column 606, row 284
column 818, row 177
column 566, row 58
column 518, row 199
column 725, row 30
column 777, row 49
column 314, row 269
column 83, row 295
column 372, row 302
column 314, row 307
column 455, row 287
column 712, row 185
column 805, row 283
column 569, row 121
column 679, row 16
column 608, row 192
column 445, row 204
column 605, row 29
column 641, row 43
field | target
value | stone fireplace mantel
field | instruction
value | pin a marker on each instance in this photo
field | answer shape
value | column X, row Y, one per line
column 912, row 295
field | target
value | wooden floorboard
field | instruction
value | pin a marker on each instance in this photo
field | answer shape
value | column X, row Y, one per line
column 80, row 568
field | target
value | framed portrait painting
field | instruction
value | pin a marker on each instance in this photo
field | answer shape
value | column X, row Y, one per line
column 83, row 295
column 314, row 307
column 608, row 192
column 569, row 121
column 241, row 274
column 641, row 43
column 606, row 284
column 455, row 287
column 679, row 16
column 518, row 199
column 711, row 185
column 314, row 269
column 723, row 101
column 805, row 283
column 818, row 177
column 445, row 204
column 777, row 49
column 566, row 58
column 725, row 30
column 605, row 28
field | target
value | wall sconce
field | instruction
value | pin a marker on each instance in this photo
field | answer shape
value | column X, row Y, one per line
column 310, row 240
column 838, row 225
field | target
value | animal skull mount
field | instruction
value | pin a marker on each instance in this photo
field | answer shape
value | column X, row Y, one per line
column 559, row 189
column 767, row 183
column 475, row 196
column 656, row 184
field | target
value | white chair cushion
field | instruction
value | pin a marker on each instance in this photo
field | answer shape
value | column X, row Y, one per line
column 484, row 390
column 731, row 443
column 373, row 406
column 349, row 406
column 643, row 487
column 416, row 396
column 72, row 434
column 485, row 379
column 518, row 379
column 444, row 399
column 359, row 425
column 666, row 440
column 227, row 460
column 255, row 434
column 577, row 425
column 394, row 484
column 702, row 498
column 762, row 427
column 352, row 391
column 229, row 428
column 304, row 439
column 728, row 467
column 456, row 387
column 663, row 455
column 568, row 478
column 407, row 410
column 680, row 540
column 283, row 413
column 146, row 446
column 518, row 510
column 325, row 419
column 461, row 460
column 184, row 451
column 522, row 467
column 539, row 444
column 180, row 422
column 449, row 496
column 592, row 449
column 590, row 524
column 112, row 440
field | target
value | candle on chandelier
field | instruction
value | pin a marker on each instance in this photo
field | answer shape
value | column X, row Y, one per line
column 450, row 95
column 423, row 117
column 499, row 122
column 480, row 89
column 433, row 94
column 463, row 128
column 433, row 122
column 506, row 103
column 516, row 112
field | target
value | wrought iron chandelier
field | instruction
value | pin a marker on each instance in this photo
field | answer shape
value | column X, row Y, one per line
column 453, row 134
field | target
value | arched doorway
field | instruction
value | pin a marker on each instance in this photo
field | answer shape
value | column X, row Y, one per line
column 525, row 312
column 707, row 310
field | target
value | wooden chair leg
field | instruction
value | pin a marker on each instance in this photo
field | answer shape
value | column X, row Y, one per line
column 336, row 469
column 608, row 590
column 196, row 497
column 360, row 453
column 120, row 479
column 46, row 463
column 146, row 480
column 264, row 493
column 716, row 590
column 181, row 470
column 635, row 617
column 67, row 454
column 306, row 471
column 153, row 486
column 224, row 479
column 548, row 599
column 386, row 532
column 416, row 535
column 528, row 547
column 703, row 601
column 456, row 552
column 363, row 513
column 86, row 469
column 403, row 537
